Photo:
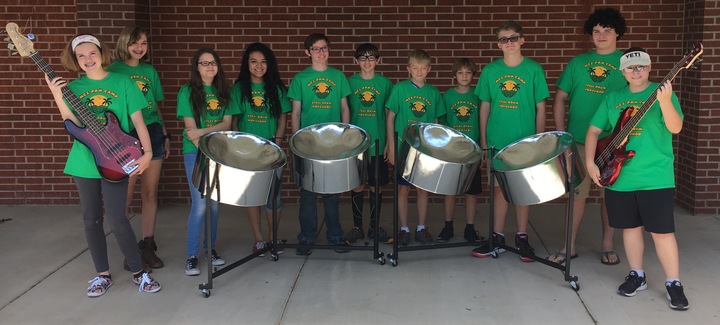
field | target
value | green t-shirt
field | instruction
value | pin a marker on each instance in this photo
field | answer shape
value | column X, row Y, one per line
column 512, row 93
column 146, row 78
column 414, row 105
column 255, row 115
column 586, row 79
column 117, row 94
column 463, row 112
column 320, row 93
column 212, row 115
column 367, row 106
column 652, row 166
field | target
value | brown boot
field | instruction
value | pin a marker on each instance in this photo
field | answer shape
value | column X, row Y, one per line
column 147, row 251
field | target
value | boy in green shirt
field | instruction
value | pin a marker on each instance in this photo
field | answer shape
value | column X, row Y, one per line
column 412, row 101
column 513, row 92
column 367, row 110
column 318, row 95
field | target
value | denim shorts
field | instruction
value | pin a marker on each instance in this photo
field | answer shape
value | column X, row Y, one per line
column 157, row 140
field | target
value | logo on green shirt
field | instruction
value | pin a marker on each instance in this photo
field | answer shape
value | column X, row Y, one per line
column 143, row 87
column 258, row 104
column 98, row 103
column 463, row 113
column 509, row 88
column 322, row 90
column 418, row 109
column 367, row 98
column 598, row 73
column 213, row 107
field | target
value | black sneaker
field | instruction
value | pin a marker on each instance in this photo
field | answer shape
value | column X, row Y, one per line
column 340, row 243
column 472, row 235
column 484, row 249
column 633, row 284
column 423, row 236
column 445, row 235
column 382, row 235
column 676, row 296
column 303, row 251
column 403, row 237
column 354, row 235
column 191, row 266
column 523, row 245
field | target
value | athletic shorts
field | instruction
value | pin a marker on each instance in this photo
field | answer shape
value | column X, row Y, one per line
column 157, row 140
column 383, row 176
column 652, row 209
column 476, row 184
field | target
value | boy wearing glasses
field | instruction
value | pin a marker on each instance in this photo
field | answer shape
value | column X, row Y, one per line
column 412, row 101
column 643, row 194
column 318, row 95
column 367, row 110
column 583, row 84
column 512, row 92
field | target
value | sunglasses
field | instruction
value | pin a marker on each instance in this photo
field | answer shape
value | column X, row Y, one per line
column 513, row 39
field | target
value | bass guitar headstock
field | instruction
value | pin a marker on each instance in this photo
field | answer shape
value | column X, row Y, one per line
column 692, row 56
column 17, row 42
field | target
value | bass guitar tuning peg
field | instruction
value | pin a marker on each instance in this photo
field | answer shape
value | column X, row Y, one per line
column 11, row 46
column 31, row 36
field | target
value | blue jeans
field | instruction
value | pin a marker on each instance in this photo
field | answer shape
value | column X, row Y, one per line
column 308, row 217
column 197, row 212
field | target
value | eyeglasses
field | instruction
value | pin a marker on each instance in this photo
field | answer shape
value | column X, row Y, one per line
column 513, row 39
column 367, row 58
column 637, row 68
column 319, row 49
column 207, row 63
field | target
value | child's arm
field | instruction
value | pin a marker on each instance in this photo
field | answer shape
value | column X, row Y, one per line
column 281, row 126
column 344, row 111
column 673, row 121
column 561, row 98
column 484, row 114
column 55, row 86
column 591, row 138
column 194, row 134
column 390, row 126
column 296, row 105
column 540, row 117
column 144, row 162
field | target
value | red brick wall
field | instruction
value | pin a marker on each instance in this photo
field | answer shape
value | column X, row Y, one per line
column 32, row 162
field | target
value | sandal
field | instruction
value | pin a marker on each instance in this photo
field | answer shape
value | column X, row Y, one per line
column 99, row 286
column 605, row 257
column 560, row 257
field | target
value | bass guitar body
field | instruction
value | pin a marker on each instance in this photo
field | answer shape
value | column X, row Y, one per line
column 113, row 149
column 610, row 167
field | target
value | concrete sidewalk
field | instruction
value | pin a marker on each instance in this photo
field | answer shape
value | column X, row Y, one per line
column 47, row 266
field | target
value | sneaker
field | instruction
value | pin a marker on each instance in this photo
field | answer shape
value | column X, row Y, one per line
column 303, row 251
column 146, row 283
column 633, row 284
column 676, row 296
column 484, row 250
column 472, row 235
column 340, row 243
column 258, row 247
column 423, row 237
column 403, row 237
column 191, row 266
column 382, row 235
column 100, row 284
column 278, row 249
column 523, row 245
column 216, row 259
column 445, row 235
column 354, row 235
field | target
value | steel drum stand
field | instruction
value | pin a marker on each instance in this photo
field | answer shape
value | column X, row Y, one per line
column 214, row 272
column 396, row 229
column 573, row 280
column 377, row 255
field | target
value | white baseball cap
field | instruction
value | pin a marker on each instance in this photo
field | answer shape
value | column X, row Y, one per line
column 634, row 58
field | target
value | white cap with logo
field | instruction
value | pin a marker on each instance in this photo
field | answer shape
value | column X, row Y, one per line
column 634, row 58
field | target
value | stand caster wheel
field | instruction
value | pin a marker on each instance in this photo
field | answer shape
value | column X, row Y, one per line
column 206, row 293
column 575, row 286
column 381, row 260
column 274, row 257
column 393, row 262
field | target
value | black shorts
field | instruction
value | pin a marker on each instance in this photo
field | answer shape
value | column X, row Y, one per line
column 157, row 140
column 383, row 176
column 652, row 209
column 476, row 185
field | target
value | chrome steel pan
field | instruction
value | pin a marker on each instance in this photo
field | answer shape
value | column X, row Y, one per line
column 239, row 168
column 537, row 168
column 438, row 159
column 329, row 158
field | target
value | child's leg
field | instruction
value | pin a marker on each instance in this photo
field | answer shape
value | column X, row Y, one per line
column 357, row 199
column 501, row 207
column 667, row 252
column 449, row 204
column 403, row 192
column 634, row 247
column 522, row 215
column 470, row 208
column 422, row 204
column 253, row 214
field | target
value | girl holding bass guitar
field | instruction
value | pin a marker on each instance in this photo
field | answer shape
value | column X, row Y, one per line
column 643, row 194
column 103, row 92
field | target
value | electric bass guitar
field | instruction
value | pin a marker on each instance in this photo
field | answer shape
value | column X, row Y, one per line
column 114, row 151
column 610, row 153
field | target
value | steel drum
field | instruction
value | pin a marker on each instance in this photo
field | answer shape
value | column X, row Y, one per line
column 329, row 158
column 438, row 159
column 240, row 168
column 537, row 168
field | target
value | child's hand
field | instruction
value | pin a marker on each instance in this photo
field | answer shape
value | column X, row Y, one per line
column 664, row 92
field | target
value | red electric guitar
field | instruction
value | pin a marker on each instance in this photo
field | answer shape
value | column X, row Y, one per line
column 114, row 150
column 610, row 153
